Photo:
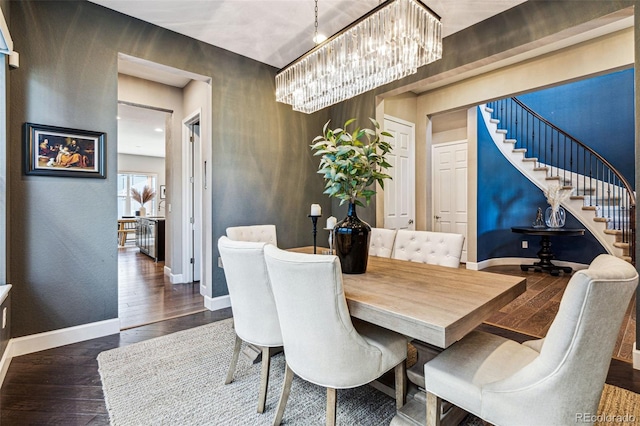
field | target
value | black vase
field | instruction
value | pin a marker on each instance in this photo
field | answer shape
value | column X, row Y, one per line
column 352, row 242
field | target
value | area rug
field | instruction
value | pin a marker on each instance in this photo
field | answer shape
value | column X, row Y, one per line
column 178, row 379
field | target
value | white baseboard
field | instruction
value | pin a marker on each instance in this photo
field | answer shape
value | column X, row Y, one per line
column 501, row 261
column 636, row 357
column 174, row 278
column 52, row 339
column 217, row 303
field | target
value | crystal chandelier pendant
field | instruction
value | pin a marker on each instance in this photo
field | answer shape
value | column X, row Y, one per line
column 389, row 43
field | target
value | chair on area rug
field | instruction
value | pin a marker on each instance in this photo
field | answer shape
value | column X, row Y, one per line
column 549, row 381
column 256, row 233
column 434, row 248
column 254, row 311
column 381, row 242
column 321, row 342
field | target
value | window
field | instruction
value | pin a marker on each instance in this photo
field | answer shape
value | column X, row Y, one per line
column 127, row 206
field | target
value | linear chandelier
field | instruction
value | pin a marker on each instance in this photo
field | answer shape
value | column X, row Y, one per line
column 389, row 43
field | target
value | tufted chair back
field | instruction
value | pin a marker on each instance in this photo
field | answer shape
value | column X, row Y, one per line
column 381, row 242
column 255, row 233
column 434, row 248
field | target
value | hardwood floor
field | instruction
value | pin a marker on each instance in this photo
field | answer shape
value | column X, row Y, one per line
column 146, row 295
column 62, row 386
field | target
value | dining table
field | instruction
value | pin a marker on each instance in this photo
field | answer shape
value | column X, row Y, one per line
column 434, row 306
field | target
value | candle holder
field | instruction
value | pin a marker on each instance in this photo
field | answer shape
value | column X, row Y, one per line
column 314, row 220
column 330, row 239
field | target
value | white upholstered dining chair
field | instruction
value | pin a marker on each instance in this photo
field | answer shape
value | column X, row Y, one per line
column 322, row 344
column 434, row 248
column 541, row 382
column 256, row 233
column 381, row 242
column 254, row 312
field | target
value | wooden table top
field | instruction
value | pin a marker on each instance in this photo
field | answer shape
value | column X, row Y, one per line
column 435, row 304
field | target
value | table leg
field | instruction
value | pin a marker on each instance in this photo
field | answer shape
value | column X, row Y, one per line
column 546, row 255
column 414, row 412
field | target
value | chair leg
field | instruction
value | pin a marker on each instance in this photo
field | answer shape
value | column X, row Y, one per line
column 284, row 396
column 401, row 385
column 264, row 379
column 332, row 401
column 234, row 360
column 434, row 405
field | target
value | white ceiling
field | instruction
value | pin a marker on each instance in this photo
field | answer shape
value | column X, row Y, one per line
column 274, row 32
column 277, row 32
column 141, row 131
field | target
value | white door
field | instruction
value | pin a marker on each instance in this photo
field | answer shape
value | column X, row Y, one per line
column 399, row 192
column 450, row 190
column 192, row 196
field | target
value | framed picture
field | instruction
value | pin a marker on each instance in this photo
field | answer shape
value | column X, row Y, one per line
column 163, row 192
column 58, row 151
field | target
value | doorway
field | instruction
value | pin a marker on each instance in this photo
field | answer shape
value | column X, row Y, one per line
column 193, row 184
column 450, row 189
column 399, row 200
column 167, row 286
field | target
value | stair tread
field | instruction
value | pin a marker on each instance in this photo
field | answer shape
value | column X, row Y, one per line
column 606, row 209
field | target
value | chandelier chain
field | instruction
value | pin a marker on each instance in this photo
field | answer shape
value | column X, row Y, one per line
column 315, row 37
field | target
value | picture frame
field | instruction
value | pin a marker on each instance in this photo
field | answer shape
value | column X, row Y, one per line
column 60, row 151
column 163, row 192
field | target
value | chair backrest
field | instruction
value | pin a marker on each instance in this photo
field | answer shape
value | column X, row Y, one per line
column 381, row 242
column 434, row 248
column 256, row 233
column 254, row 310
column 320, row 342
column 568, row 375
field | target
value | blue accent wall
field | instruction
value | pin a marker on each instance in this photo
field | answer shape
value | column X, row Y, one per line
column 598, row 111
column 506, row 198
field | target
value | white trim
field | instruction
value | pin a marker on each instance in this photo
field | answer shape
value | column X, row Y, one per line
column 53, row 339
column 174, row 278
column 5, row 36
column 477, row 266
column 186, row 194
column 4, row 292
column 636, row 357
column 217, row 303
column 5, row 362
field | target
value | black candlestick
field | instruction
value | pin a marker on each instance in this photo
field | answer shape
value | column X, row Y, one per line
column 314, row 219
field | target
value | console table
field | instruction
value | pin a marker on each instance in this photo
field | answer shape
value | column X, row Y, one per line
column 545, row 254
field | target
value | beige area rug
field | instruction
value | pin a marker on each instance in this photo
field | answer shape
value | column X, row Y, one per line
column 178, row 379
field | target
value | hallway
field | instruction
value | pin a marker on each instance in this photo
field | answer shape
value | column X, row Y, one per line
column 145, row 294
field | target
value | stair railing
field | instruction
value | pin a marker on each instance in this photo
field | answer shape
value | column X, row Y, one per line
column 574, row 164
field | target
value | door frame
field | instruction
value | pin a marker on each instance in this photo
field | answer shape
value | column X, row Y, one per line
column 381, row 222
column 434, row 170
column 187, row 200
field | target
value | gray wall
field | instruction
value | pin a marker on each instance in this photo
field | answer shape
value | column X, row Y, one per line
column 63, row 258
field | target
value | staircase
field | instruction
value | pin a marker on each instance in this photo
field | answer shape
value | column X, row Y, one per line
column 601, row 198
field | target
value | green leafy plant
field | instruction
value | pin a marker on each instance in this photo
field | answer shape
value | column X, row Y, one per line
column 352, row 162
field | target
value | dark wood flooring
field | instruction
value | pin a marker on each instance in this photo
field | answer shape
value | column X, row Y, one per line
column 62, row 386
column 146, row 295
